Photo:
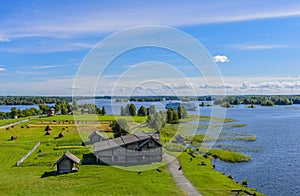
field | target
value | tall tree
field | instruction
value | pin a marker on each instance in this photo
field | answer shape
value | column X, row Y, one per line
column 103, row 110
column 142, row 111
column 156, row 121
column 119, row 127
column 13, row 112
column 172, row 116
column 132, row 110
column 152, row 110
column 182, row 112
column 44, row 108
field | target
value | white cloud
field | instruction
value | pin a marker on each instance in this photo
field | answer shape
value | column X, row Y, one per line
column 39, row 21
column 46, row 66
column 4, row 39
column 248, row 46
column 221, row 59
column 167, row 86
column 2, row 68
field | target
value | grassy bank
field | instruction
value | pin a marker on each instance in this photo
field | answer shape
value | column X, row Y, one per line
column 208, row 181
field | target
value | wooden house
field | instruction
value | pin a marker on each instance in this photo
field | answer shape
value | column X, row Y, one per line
column 95, row 137
column 66, row 163
column 51, row 112
column 130, row 149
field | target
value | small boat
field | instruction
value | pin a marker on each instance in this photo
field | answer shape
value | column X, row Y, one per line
column 187, row 105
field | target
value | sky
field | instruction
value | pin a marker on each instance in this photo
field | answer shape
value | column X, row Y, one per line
column 254, row 45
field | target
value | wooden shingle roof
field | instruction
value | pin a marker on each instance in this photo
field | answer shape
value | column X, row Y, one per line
column 96, row 133
column 69, row 156
column 121, row 141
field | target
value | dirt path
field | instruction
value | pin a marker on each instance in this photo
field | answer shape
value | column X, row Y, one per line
column 15, row 123
column 180, row 179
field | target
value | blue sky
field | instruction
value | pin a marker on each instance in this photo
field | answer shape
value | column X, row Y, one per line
column 255, row 44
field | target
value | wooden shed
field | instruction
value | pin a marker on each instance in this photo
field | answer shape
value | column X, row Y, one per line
column 51, row 112
column 96, row 137
column 66, row 163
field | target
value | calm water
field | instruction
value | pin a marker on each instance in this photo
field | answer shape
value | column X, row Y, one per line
column 6, row 108
column 275, row 168
column 275, row 165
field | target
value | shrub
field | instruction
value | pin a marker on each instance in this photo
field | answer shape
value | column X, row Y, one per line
column 245, row 183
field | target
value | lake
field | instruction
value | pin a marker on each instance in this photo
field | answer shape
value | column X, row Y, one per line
column 275, row 165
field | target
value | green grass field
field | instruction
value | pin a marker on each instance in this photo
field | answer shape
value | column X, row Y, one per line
column 94, row 179
column 36, row 176
column 89, row 117
column 9, row 121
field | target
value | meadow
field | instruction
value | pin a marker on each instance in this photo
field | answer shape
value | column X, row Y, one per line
column 36, row 175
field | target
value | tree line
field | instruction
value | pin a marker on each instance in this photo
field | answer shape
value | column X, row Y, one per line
column 31, row 100
column 60, row 107
column 258, row 100
column 155, row 120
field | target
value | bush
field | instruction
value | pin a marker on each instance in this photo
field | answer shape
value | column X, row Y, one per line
column 245, row 183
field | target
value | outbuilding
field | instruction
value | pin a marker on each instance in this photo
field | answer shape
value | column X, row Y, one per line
column 96, row 136
column 66, row 163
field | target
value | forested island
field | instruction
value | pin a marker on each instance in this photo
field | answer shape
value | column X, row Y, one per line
column 218, row 100
column 31, row 100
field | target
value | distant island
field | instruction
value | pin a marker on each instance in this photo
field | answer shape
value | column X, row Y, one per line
column 264, row 100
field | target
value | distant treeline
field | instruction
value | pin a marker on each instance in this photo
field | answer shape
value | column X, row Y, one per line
column 163, row 98
column 60, row 107
column 218, row 100
column 31, row 100
column 264, row 100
